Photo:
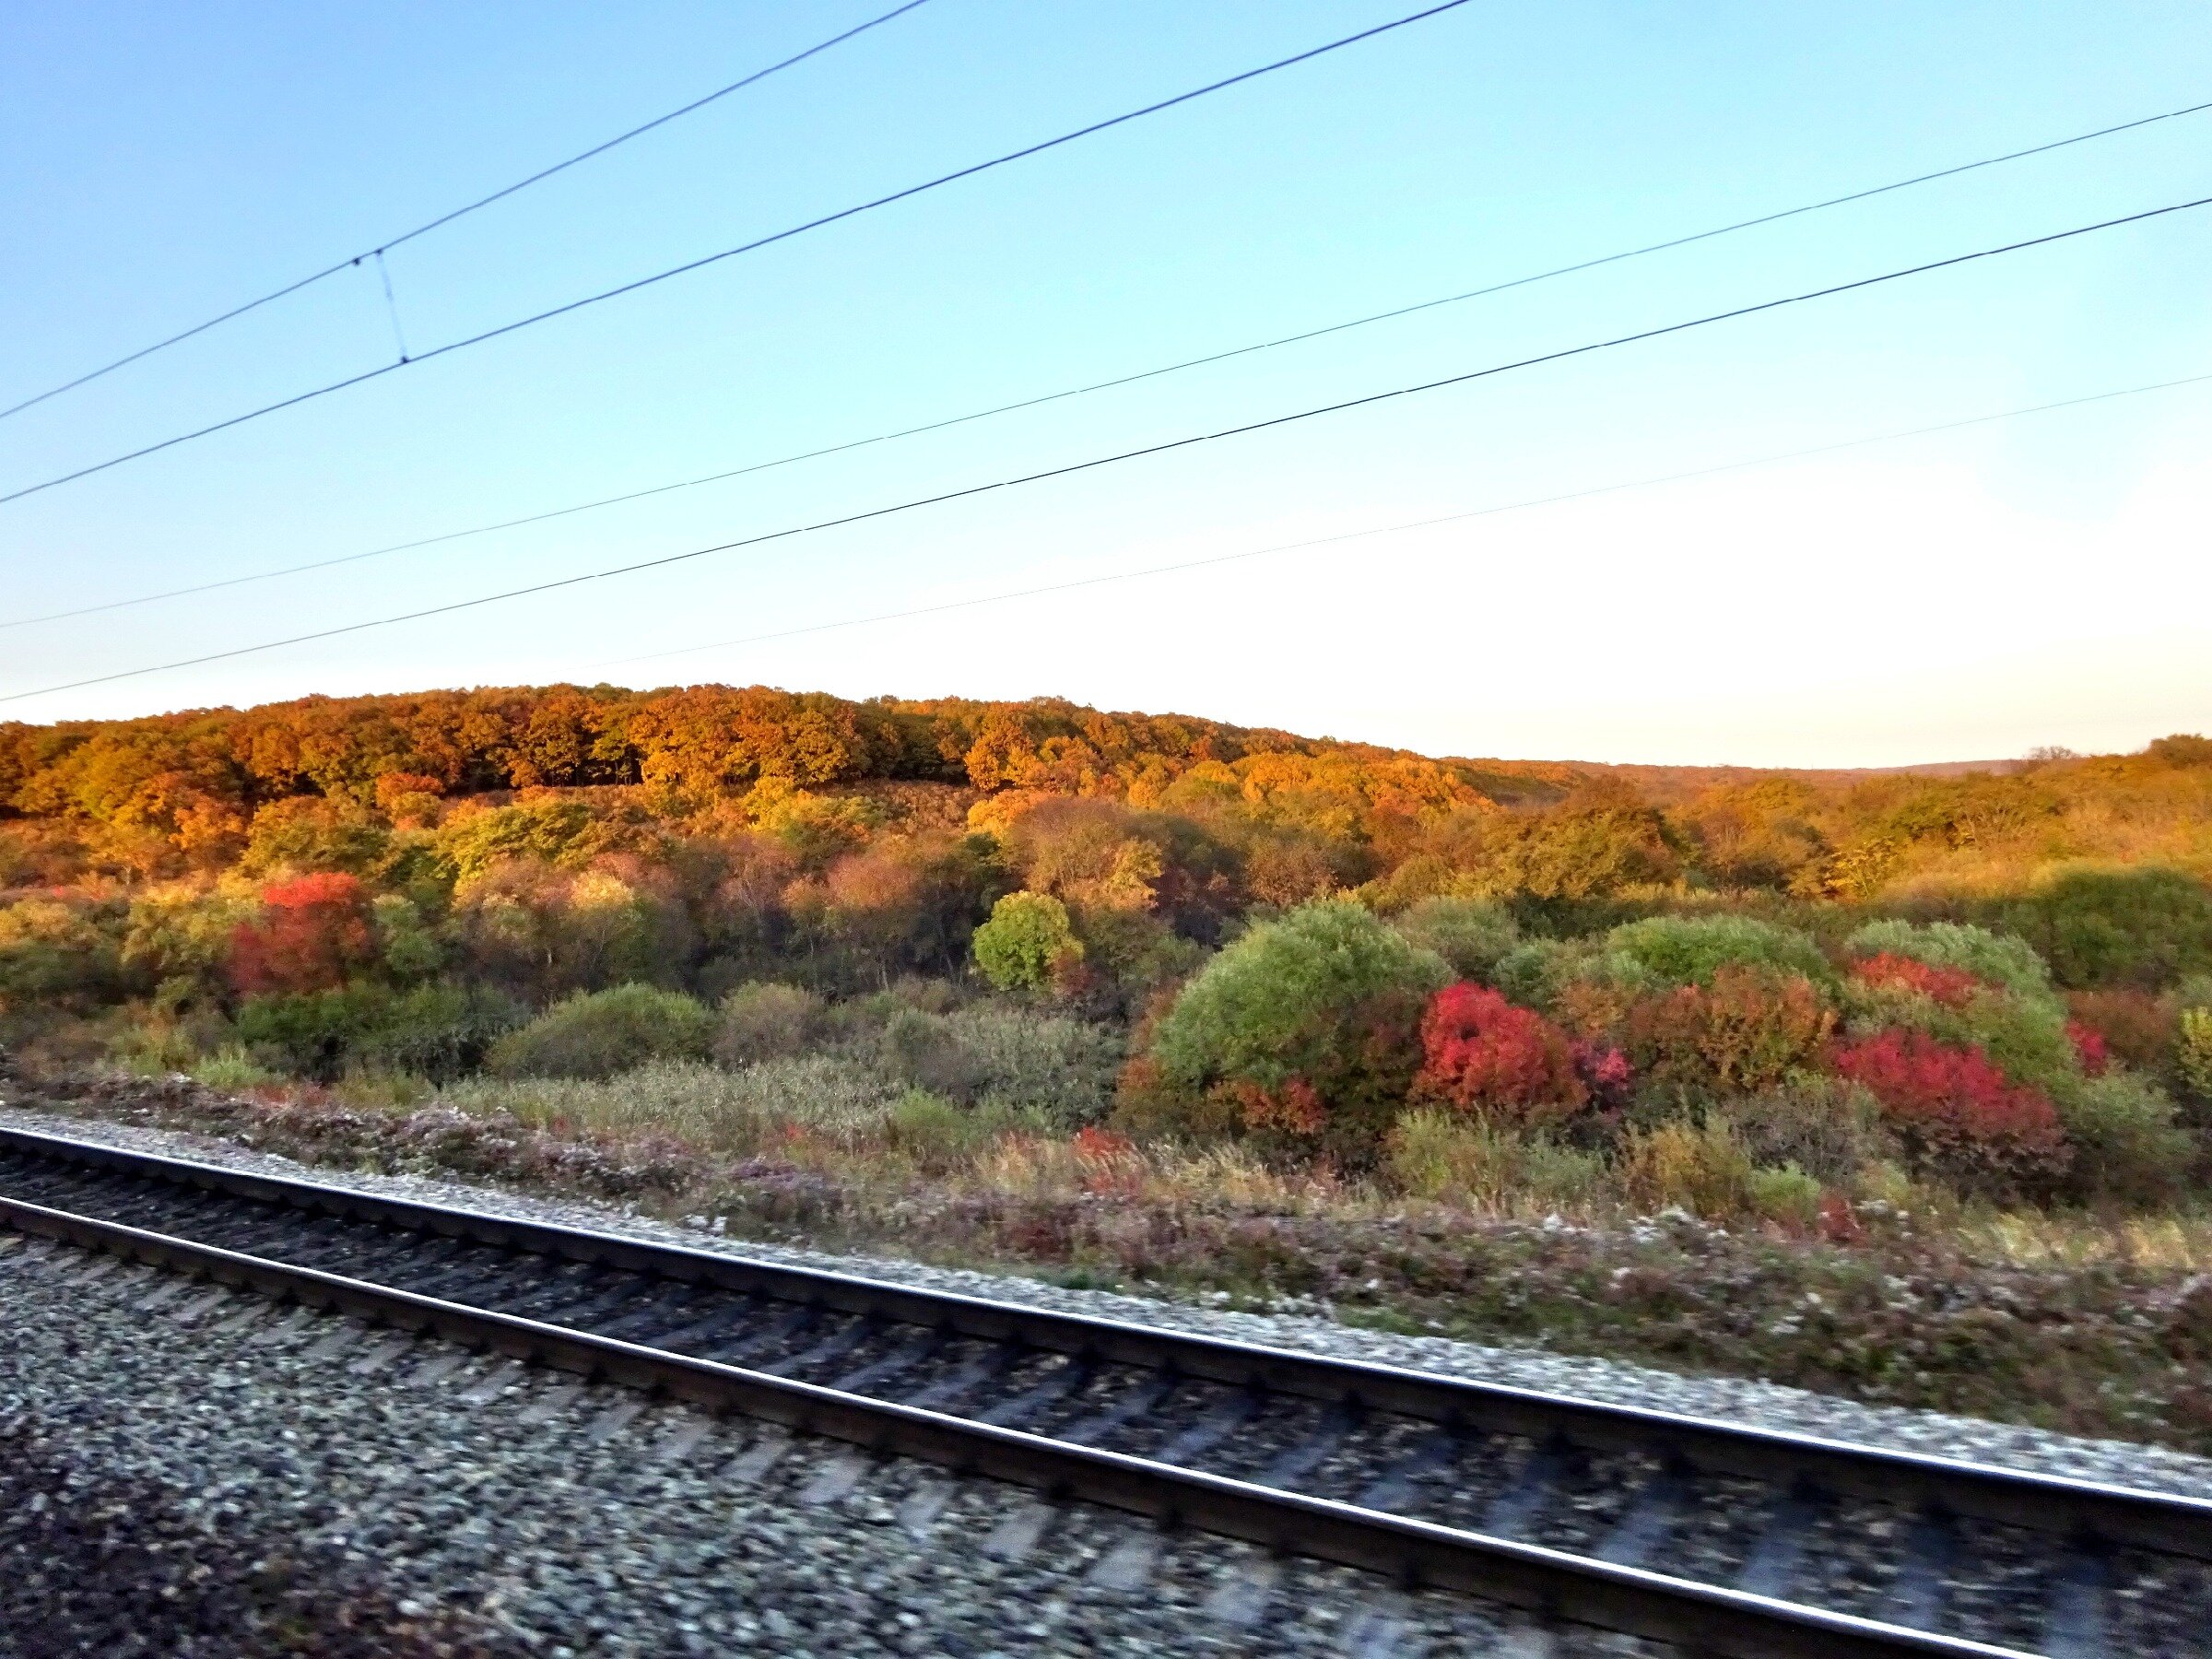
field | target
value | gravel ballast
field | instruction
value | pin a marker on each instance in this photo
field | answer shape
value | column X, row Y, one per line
column 207, row 1473
column 1734, row 1400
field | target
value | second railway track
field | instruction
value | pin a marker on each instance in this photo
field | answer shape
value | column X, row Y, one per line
column 1719, row 1538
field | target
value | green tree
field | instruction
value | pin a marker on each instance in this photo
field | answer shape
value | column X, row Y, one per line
column 1028, row 938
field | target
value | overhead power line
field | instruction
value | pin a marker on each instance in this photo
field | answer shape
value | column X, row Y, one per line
column 1102, row 385
column 543, row 173
column 758, row 242
column 1168, row 447
column 1076, row 583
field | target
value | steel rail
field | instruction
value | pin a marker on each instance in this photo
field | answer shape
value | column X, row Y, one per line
column 1554, row 1584
column 2079, row 1511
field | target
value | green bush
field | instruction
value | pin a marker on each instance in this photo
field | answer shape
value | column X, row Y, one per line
column 1027, row 939
column 1786, row 1193
column 55, row 949
column 1472, row 936
column 1446, row 1155
column 1829, row 1127
column 763, row 1020
column 230, row 1069
column 436, row 1031
column 599, row 1033
column 2146, row 927
column 1029, row 1060
column 2193, row 1053
column 2001, row 959
column 2126, row 1144
column 1686, row 950
column 1316, row 1012
column 1536, row 972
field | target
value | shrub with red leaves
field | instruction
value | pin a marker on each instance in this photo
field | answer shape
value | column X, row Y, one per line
column 1957, row 1112
column 1950, row 987
column 313, row 934
column 1483, row 1053
column 1743, row 1031
column 2088, row 1042
column 2138, row 1028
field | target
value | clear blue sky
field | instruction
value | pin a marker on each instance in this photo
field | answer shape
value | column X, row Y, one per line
column 2042, row 580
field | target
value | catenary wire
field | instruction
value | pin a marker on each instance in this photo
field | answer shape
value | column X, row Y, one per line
column 1074, row 583
column 1167, row 447
column 1103, row 385
column 462, row 212
column 758, row 242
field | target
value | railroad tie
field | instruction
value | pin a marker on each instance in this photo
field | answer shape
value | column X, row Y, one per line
column 2075, row 1623
column 1515, row 1511
column 1245, row 1593
column 1440, row 1448
column 99, row 1269
column 282, row 1329
column 1381, row 1632
column 163, row 1295
column 1023, row 1529
column 1212, row 1428
column 924, row 1506
column 1775, row 1560
column 1918, row 1594
column 342, row 1335
column 759, row 1458
column 1128, row 1565
column 682, row 1441
column 495, row 1383
column 200, row 1306
column 898, row 1361
column 1145, row 1397
column 439, row 1366
column 614, row 1419
column 546, row 1404
column 835, row 1345
column 945, row 1390
column 1295, row 1462
column 836, row 1478
column 1071, row 1378
column 1653, row 1515
column 382, row 1354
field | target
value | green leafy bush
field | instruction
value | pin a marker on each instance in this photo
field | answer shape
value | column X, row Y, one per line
column 2193, row 1053
column 1689, row 950
column 2000, row 959
column 1309, row 1021
column 1027, row 939
column 2127, row 1146
column 1471, row 935
column 763, row 1020
column 57, row 948
column 1829, row 1127
column 2145, row 927
column 599, row 1033
column 1444, row 1155
column 1786, row 1193
column 437, row 1031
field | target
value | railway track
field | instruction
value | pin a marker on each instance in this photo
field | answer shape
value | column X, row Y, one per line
column 1715, row 1536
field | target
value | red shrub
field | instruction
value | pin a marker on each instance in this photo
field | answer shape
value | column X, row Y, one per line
column 1952, row 988
column 2138, row 1029
column 2088, row 1042
column 1743, row 1031
column 1482, row 1053
column 313, row 934
column 1296, row 1107
column 1957, row 1110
